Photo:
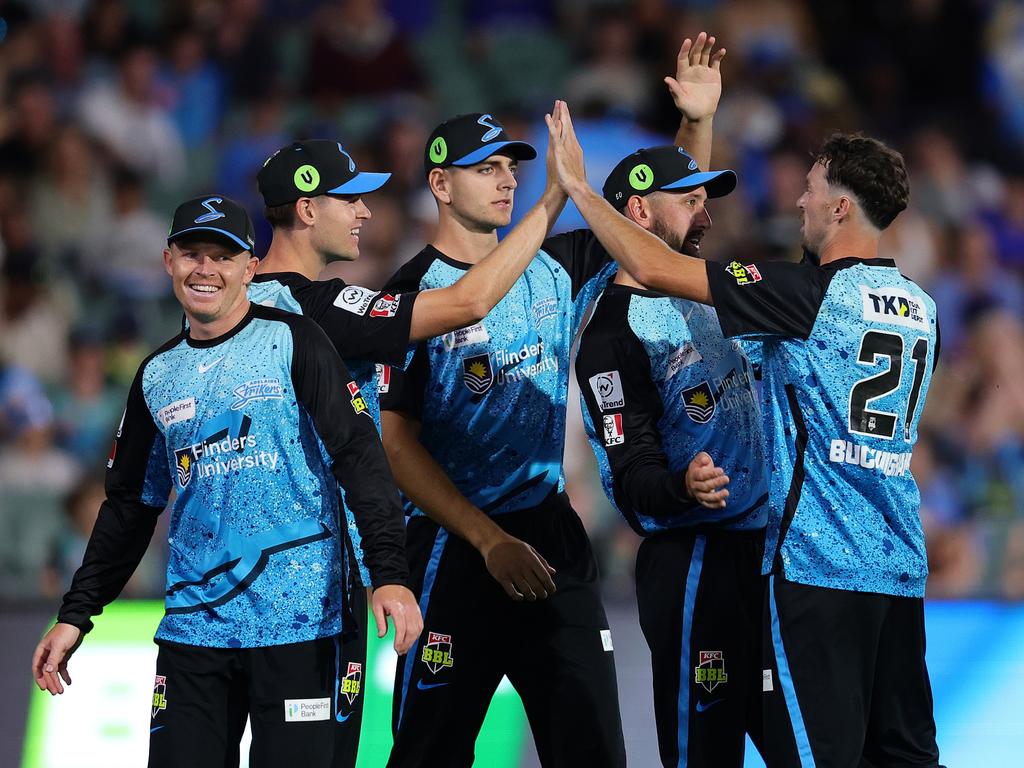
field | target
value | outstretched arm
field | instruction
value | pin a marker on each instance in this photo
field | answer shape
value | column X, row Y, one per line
column 642, row 254
column 696, row 89
column 468, row 300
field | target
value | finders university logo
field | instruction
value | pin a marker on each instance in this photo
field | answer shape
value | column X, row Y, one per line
column 478, row 373
column 699, row 402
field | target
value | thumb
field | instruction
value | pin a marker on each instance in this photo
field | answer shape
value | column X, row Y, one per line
column 703, row 459
column 673, row 85
column 381, row 619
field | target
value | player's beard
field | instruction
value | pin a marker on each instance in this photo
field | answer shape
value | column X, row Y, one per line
column 672, row 239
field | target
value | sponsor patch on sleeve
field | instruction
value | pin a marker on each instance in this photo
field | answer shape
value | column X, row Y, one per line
column 613, row 432
column 358, row 403
column 743, row 274
column 386, row 306
column 383, row 378
column 355, row 299
column 607, row 388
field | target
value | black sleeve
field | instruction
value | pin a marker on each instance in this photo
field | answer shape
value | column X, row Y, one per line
column 357, row 456
column 361, row 323
column 768, row 298
column 579, row 253
column 137, row 486
column 614, row 375
column 405, row 389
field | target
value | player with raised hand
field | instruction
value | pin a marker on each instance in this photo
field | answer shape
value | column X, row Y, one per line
column 849, row 350
column 314, row 197
column 662, row 392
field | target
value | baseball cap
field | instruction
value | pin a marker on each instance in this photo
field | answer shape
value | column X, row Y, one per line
column 662, row 168
column 213, row 217
column 471, row 139
column 311, row 168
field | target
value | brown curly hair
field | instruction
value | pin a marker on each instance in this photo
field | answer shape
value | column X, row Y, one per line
column 874, row 172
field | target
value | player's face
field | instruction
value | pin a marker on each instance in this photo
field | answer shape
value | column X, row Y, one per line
column 680, row 219
column 816, row 205
column 209, row 279
column 336, row 232
column 482, row 194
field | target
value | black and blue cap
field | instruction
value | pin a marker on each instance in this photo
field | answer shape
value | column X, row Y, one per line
column 470, row 139
column 213, row 218
column 311, row 168
column 658, row 169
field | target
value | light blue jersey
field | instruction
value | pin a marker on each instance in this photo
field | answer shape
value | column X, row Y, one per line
column 848, row 355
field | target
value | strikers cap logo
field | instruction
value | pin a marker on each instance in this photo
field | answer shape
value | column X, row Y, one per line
column 699, row 402
column 477, row 373
column 437, row 653
column 438, row 150
column 306, row 178
column 641, row 177
column 159, row 694
column 710, row 672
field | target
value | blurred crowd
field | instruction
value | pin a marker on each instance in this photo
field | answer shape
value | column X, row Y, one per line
column 111, row 111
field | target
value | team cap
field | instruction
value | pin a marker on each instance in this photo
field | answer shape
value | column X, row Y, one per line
column 312, row 168
column 662, row 168
column 471, row 139
column 213, row 218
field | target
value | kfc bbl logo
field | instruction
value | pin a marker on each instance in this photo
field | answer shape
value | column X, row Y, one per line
column 159, row 694
column 437, row 653
column 710, row 672
column 352, row 683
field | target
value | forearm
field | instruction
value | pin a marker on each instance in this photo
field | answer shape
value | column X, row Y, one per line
column 469, row 299
column 642, row 254
column 695, row 136
column 118, row 541
column 652, row 490
column 429, row 488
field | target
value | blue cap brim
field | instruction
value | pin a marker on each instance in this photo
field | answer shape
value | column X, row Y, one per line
column 361, row 184
column 715, row 183
column 522, row 151
column 223, row 232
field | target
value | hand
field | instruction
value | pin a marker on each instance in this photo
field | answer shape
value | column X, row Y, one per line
column 706, row 483
column 50, row 661
column 399, row 603
column 566, row 149
column 552, row 189
column 697, row 86
column 519, row 568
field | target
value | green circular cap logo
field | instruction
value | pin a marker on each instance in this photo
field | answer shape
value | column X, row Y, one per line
column 307, row 178
column 438, row 150
column 641, row 177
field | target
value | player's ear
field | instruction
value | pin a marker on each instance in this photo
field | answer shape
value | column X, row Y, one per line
column 440, row 185
column 842, row 207
column 305, row 211
column 250, row 269
column 638, row 210
column 167, row 261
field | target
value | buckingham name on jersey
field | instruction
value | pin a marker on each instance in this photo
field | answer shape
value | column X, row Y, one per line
column 247, row 431
column 659, row 383
column 848, row 354
column 491, row 397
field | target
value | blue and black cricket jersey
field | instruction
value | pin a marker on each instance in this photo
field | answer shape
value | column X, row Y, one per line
column 370, row 329
column 250, row 432
column 491, row 397
column 659, row 383
column 848, row 354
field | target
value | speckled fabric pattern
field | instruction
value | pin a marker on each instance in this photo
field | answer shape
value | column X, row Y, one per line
column 254, row 558
column 493, row 413
column 853, row 393
column 707, row 393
